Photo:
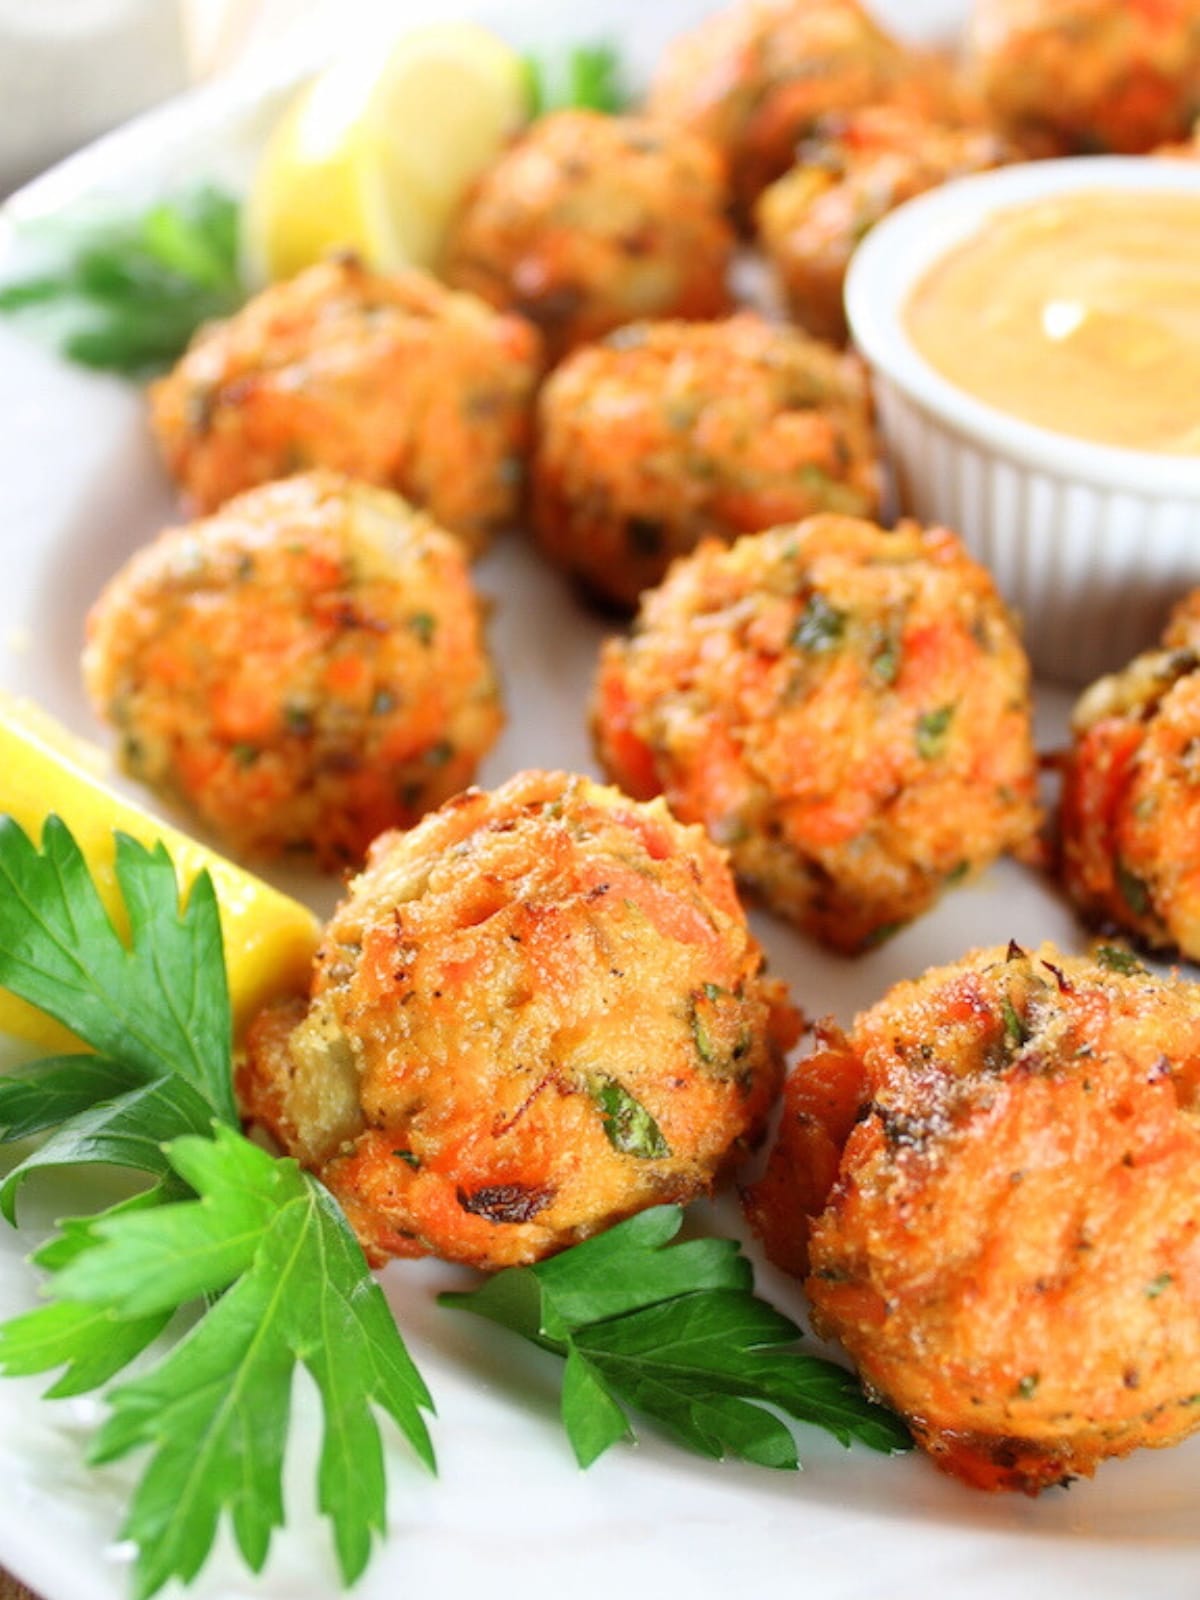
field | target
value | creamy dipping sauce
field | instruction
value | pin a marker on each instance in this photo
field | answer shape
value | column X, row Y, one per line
column 1080, row 312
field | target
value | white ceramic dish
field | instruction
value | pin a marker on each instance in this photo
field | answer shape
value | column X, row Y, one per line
column 1090, row 544
column 510, row 1517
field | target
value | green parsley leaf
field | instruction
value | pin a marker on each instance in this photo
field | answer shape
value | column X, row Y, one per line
column 599, row 1420
column 590, row 78
column 162, row 1258
column 55, row 1089
column 677, row 1335
column 214, row 1411
column 126, row 293
column 618, row 1271
column 159, row 1007
column 225, row 1225
column 293, row 1288
column 93, row 1345
column 127, row 1131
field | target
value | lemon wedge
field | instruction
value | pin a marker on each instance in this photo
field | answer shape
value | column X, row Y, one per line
column 269, row 939
column 376, row 153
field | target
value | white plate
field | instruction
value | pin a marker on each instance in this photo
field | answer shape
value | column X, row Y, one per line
column 510, row 1515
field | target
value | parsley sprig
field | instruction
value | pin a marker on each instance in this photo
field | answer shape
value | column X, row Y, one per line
column 678, row 1335
column 224, row 1226
column 125, row 293
column 589, row 77
column 267, row 1266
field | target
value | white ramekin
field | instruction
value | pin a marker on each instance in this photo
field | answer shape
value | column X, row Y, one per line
column 1090, row 544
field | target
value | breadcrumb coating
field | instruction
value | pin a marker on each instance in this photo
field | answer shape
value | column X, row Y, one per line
column 303, row 669
column 845, row 709
column 590, row 221
column 994, row 1183
column 388, row 378
column 536, row 1013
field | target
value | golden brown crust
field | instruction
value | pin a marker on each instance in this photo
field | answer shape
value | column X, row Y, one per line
column 537, row 1012
column 821, row 1104
column 1082, row 76
column 304, row 669
column 1129, row 816
column 756, row 77
column 847, row 710
column 1011, row 1251
column 590, row 221
column 391, row 379
column 672, row 432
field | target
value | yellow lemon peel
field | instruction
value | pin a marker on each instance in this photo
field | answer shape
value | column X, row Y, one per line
column 270, row 939
column 377, row 152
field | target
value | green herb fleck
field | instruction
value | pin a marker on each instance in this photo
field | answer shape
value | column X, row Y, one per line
column 820, row 626
column 885, row 661
column 424, row 625
column 1016, row 1031
column 703, row 1039
column 409, row 1159
column 1116, row 959
column 1133, row 890
column 1028, row 1386
column 629, row 1126
column 244, row 753
column 932, row 728
column 1156, row 1286
column 382, row 701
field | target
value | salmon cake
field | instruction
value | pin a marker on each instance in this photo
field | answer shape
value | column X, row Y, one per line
column 854, row 169
column 303, row 669
column 1129, row 814
column 537, row 1012
column 1081, row 77
column 845, row 709
column 756, row 77
column 992, row 1184
column 388, row 378
column 672, row 432
column 589, row 221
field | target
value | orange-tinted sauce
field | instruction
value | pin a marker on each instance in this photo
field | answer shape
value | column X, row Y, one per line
column 1079, row 312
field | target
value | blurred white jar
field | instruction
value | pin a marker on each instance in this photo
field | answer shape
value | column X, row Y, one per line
column 70, row 69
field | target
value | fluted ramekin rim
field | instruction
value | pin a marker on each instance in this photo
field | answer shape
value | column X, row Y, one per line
column 900, row 249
